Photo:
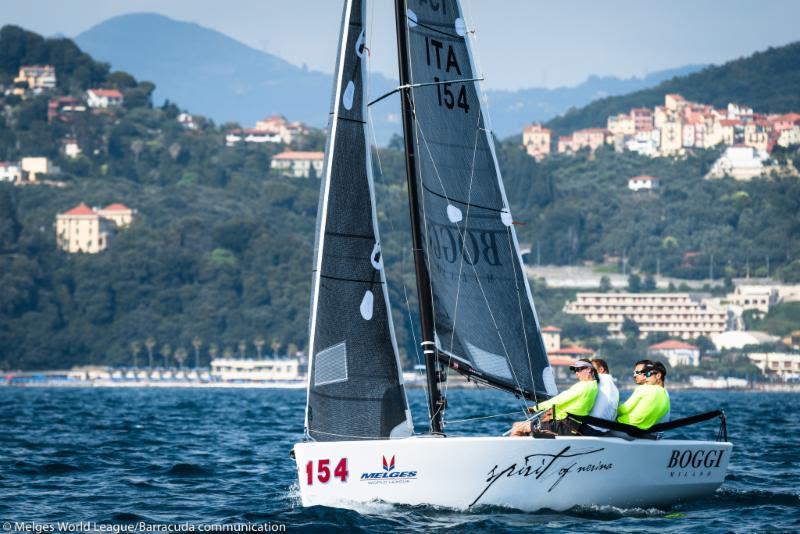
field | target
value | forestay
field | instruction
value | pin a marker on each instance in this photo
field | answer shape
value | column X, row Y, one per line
column 485, row 322
column 355, row 386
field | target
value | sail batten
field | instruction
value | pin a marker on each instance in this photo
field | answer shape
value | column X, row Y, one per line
column 485, row 323
column 355, row 388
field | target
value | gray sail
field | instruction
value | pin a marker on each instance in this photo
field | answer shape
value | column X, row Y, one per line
column 355, row 388
column 485, row 323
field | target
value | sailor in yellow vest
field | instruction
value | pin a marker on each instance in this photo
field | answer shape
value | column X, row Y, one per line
column 577, row 400
column 649, row 402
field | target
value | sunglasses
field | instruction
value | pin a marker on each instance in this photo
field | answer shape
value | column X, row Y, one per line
column 578, row 369
column 648, row 374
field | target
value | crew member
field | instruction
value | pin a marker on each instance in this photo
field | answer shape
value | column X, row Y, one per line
column 577, row 400
column 648, row 403
column 638, row 371
column 661, row 372
column 605, row 405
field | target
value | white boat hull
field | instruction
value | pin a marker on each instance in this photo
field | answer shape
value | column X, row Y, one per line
column 523, row 473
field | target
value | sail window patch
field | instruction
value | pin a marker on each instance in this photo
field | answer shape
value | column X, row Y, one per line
column 412, row 18
column 360, row 48
column 349, row 94
column 461, row 27
column 367, row 305
column 375, row 257
column 454, row 214
column 330, row 365
column 506, row 217
column 489, row 362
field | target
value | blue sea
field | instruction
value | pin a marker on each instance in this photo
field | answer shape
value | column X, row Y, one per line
column 221, row 456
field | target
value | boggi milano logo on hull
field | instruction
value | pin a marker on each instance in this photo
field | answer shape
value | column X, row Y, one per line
column 694, row 463
column 389, row 474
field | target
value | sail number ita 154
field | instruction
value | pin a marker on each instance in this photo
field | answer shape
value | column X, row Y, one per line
column 324, row 471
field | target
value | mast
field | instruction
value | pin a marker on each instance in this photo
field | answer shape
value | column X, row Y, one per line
column 432, row 373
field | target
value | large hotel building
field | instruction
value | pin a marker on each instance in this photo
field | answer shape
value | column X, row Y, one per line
column 675, row 314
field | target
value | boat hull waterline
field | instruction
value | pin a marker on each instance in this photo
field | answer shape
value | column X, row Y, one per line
column 521, row 473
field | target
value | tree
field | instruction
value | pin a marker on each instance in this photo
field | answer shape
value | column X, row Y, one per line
column 180, row 356
column 242, row 348
column 649, row 282
column 630, row 329
column 227, row 353
column 197, row 343
column 605, row 284
column 213, row 350
column 259, row 342
column 275, row 346
column 136, row 347
column 150, row 343
column 634, row 283
column 166, row 352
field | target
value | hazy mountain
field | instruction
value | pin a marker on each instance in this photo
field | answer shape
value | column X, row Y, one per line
column 207, row 72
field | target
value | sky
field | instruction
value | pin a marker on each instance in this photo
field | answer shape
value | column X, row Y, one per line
column 520, row 43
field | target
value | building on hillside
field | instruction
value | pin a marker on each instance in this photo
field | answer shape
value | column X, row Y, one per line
column 739, row 162
column 251, row 135
column 638, row 183
column 63, row 108
column 573, row 351
column 103, row 98
column 537, row 140
column 645, row 142
column 120, row 214
column 10, row 172
column 642, row 119
column 298, row 163
column 551, row 336
column 675, row 314
column 37, row 78
column 187, row 121
column 781, row 364
column 676, row 353
column 33, row 168
column 71, row 147
column 88, row 230
column 753, row 297
column 739, row 339
column 285, row 130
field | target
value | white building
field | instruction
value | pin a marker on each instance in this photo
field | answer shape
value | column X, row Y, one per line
column 783, row 364
column 739, row 339
column 675, row 314
column 187, row 121
column 676, row 352
column 103, row 98
column 71, row 148
column 37, row 77
column 754, row 297
column 264, row 370
column 551, row 336
column 9, row 172
column 739, row 162
column 33, row 167
column 251, row 135
column 85, row 229
column 638, row 183
column 298, row 164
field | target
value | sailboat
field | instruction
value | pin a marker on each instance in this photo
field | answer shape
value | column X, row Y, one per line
column 477, row 316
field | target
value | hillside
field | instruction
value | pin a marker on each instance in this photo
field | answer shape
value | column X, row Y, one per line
column 221, row 247
column 767, row 81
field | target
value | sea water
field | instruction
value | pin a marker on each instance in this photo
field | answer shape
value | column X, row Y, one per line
column 95, row 458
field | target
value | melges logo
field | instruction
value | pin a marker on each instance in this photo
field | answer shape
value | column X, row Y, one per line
column 389, row 473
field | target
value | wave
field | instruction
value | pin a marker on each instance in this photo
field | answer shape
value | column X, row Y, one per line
column 57, row 468
column 756, row 497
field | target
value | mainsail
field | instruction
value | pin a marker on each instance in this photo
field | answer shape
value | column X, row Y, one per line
column 355, row 388
column 485, row 323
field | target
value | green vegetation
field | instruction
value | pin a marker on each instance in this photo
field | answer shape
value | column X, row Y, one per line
column 782, row 319
column 221, row 248
column 767, row 81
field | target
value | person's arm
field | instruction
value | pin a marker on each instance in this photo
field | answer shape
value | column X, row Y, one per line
column 627, row 407
column 562, row 398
